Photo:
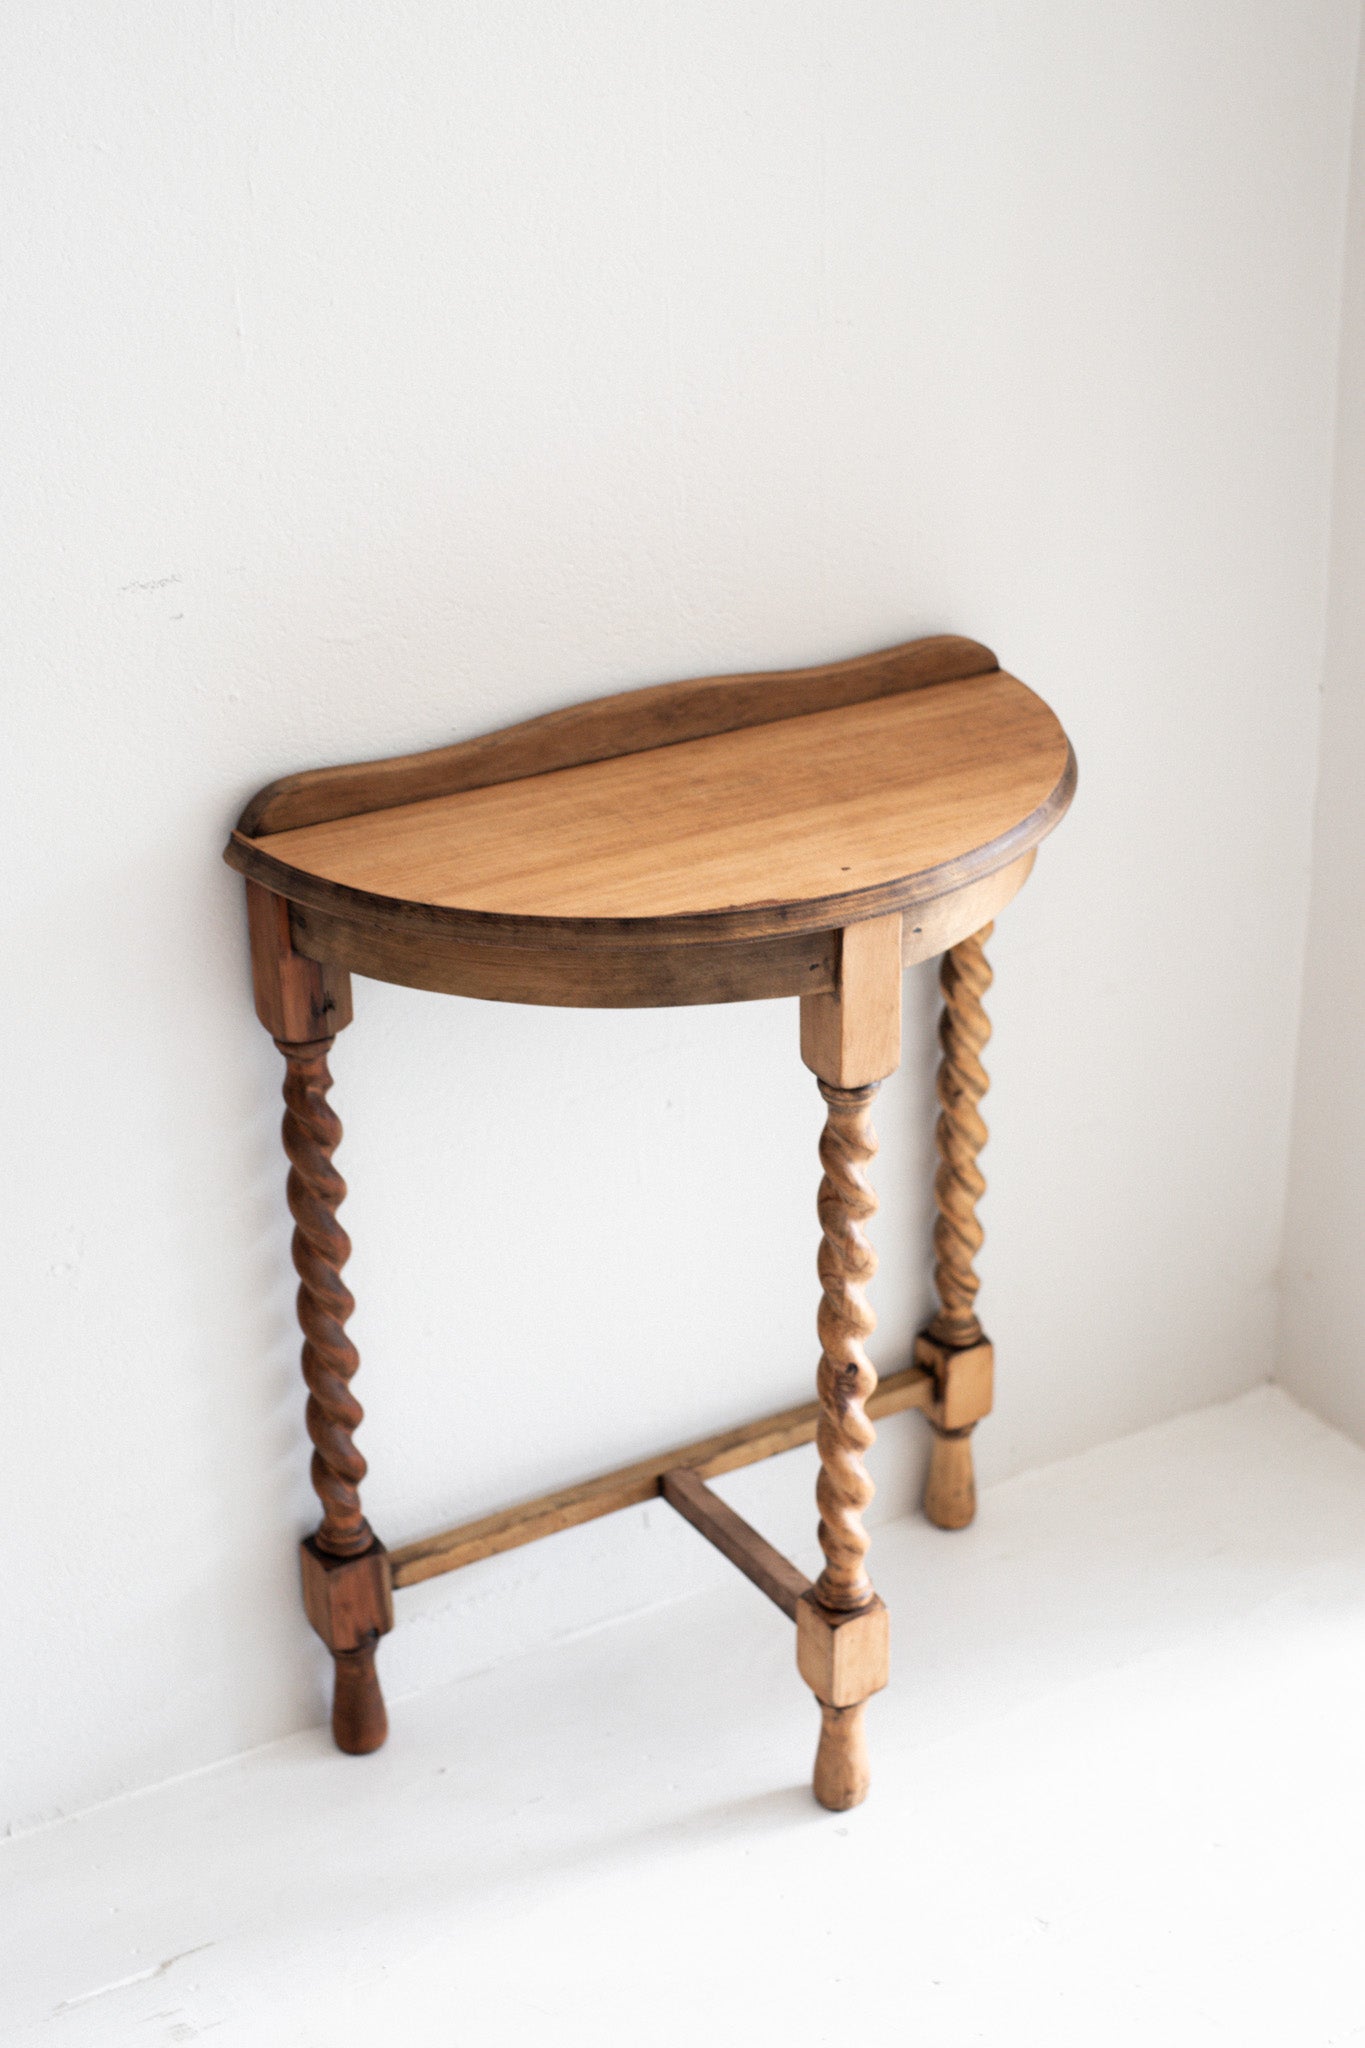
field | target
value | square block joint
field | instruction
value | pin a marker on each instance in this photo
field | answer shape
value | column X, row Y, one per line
column 844, row 1658
column 297, row 1000
column 964, row 1381
column 349, row 1600
column 852, row 1037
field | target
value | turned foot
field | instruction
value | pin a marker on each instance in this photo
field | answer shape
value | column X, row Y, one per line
column 359, row 1722
column 349, row 1601
column 844, row 1660
column 950, row 1489
column 842, row 1775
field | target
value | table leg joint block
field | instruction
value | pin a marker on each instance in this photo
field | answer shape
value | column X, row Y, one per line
column 349, row 1600
column 964, row 1382
column 851, row 1036
column 297, row 1000
column 963, row 1390
column 844, row 1658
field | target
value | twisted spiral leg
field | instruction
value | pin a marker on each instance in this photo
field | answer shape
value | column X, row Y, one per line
column 846, row 1376
column 959, row 1183
column 321, row 1248
column 841, row 1625
column 346, row 1586
column 954, row 1346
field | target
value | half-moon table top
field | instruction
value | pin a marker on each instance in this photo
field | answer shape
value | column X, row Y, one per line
column 735, row 807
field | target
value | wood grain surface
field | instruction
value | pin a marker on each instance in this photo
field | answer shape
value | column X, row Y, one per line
column 852, row 1035
column 581, row 977
column 626, row 723
column 735, row 1538
column 817, row 820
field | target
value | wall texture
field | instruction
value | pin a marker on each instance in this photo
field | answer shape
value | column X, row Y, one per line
column 380, row 375
column 1322, row 1335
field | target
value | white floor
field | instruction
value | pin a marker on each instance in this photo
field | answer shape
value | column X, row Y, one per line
column 1119, row 1797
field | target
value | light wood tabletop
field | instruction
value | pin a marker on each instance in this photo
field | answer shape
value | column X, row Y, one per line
column 848, row 808
column 889, row 783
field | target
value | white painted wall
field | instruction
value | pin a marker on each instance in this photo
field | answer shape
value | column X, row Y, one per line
column 1322, row 1333
column 380, row 375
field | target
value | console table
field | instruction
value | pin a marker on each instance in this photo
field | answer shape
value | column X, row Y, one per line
column 807, row 834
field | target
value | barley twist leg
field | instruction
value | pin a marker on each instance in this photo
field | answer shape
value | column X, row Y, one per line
column 312, row 1132
column 954, row 1344
column 841, row 1624
column 345, row 1577
column 959, row 1183
column 846, row 1377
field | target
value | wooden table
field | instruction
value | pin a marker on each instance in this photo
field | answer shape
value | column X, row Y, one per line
column 800, row 834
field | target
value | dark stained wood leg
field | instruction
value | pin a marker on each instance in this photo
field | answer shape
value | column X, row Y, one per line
column 357, row 1608
column 346, row 1582
column 360, row 1721
column 851, row 1040
column 311, row 1133
column 953, row 1346
column 350, row 1603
